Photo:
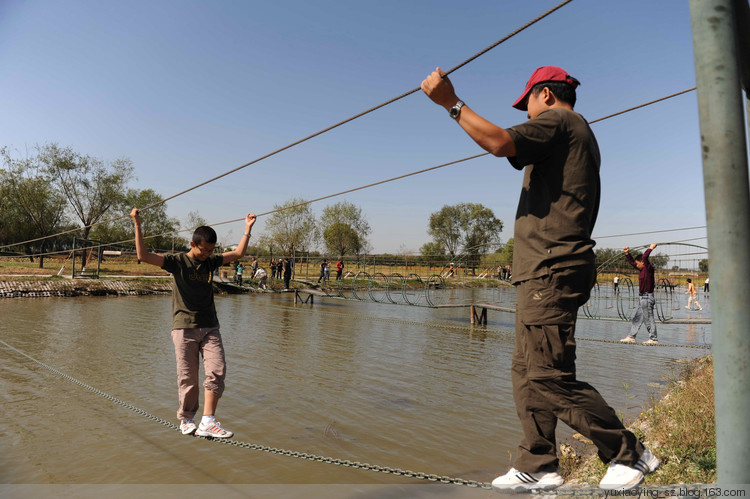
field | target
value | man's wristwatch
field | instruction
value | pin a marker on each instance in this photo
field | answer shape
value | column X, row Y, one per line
column 456, row 110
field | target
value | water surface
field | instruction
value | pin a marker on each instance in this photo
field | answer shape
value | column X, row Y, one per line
column 399, row 386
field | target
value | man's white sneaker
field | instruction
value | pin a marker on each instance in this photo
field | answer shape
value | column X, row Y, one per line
column 187, row 426
column 213, row 429
column 628, row 339
column 621, row 477
column 515, row 481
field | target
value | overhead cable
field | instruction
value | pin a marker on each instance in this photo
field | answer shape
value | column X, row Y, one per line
column 365, row 187
column 311, row 136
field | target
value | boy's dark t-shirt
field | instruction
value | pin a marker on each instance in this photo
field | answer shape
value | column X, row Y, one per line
column 560, row 196
column 192, row 290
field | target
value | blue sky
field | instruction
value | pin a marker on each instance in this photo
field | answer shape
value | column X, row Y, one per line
column 190, row 89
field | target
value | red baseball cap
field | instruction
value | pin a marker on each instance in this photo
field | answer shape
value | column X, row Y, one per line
column 545, row 73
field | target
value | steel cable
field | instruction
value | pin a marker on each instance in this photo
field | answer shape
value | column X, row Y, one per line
column 367, row 186
column 313, row 135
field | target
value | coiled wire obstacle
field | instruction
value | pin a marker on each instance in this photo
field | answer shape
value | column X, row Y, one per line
column 626, row 299
column 391, row 288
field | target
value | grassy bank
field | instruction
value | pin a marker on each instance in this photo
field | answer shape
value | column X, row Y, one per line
column 679, row 428
column 127, row 266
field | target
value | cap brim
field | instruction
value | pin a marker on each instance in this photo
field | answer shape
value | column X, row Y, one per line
column 520, row 104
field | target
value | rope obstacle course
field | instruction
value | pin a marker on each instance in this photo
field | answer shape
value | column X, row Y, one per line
column 378, row 288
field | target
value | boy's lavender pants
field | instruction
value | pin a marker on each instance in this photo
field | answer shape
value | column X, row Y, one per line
column 189, row 345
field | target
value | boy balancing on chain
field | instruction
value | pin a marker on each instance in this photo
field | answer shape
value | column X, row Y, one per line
column 195, row 326
column 553, row 271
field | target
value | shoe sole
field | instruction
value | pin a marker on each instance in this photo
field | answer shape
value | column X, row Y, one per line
column 208, row 434
column 523, row 487
column 626, row 486
column 188, row 432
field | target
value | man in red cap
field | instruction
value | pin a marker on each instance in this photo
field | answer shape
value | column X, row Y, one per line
column 553, row 271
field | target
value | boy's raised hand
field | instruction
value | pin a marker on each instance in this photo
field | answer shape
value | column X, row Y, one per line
column 249, row 222
column 135, row 214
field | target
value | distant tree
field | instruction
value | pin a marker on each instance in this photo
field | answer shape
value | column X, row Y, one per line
column 611, row 258
column 161, row 231
column 344, row 228
column 445, row 228
column 12, row 227
column 31, row 193
column 468, row 226
column 341, row 239
column 615, row 258
column 703, row 265
column 194, row 220
column 432, row 252
column 506, row 252
column 659, row 261
column 266, row 245
column 292, row 226
column 91, row 187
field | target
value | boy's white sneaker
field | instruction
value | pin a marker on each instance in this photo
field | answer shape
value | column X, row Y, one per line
column 213, row 429
column 187, row 426
column 515, row 481
column 621, row 477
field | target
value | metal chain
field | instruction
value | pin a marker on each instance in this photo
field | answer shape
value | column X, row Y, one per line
column 264, row 448
column 566, row 491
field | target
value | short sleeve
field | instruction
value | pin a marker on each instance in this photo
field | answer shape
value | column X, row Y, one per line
column 535, row 139
column 170, row 263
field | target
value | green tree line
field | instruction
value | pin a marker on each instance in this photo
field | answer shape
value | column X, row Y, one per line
column 56, row 189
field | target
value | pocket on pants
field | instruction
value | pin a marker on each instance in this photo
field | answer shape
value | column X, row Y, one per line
column 550, row 351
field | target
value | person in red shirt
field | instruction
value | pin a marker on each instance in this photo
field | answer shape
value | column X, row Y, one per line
column 339, row 269
column 646, row 284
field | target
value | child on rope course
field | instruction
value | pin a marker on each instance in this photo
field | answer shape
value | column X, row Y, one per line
column 693, row 298
column 195, row 326
column 553, row 271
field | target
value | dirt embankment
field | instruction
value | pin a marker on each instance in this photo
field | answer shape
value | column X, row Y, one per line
column 36, row 288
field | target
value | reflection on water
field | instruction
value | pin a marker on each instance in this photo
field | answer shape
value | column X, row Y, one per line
column 399, row 386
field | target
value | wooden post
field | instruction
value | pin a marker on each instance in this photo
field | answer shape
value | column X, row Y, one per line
column 298, row 298
column 478, row 319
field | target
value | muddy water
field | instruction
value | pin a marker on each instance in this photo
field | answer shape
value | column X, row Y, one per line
column 398, row 386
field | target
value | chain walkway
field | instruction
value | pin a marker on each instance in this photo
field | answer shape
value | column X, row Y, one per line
column 573, row 490
column 258, row 447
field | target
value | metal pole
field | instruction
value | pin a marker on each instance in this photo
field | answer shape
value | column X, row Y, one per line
column 725, row 178
column 73, row 271
column 99, row 260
